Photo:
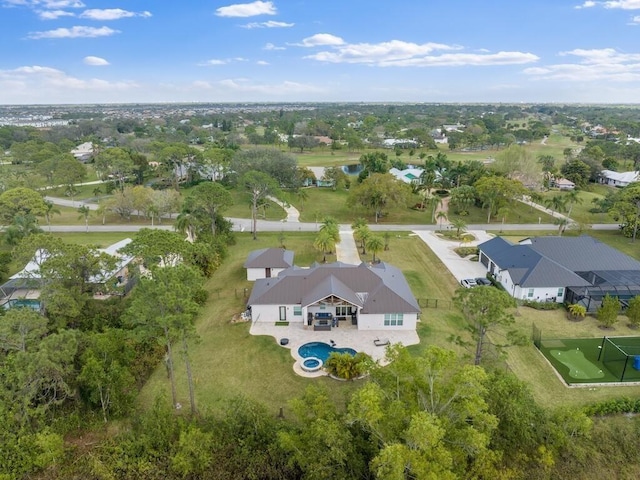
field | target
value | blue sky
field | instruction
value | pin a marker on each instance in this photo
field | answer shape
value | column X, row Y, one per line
column 90, row 51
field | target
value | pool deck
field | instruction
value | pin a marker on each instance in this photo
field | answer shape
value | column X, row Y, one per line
column 343, row 336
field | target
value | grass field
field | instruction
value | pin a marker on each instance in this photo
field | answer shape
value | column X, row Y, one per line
column 580, row 210
column 517, row 212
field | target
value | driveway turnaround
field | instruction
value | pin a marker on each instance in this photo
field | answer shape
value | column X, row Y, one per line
column 459, row 267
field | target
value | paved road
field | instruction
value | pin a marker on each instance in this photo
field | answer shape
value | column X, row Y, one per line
column 346, row 249
column 244, row 225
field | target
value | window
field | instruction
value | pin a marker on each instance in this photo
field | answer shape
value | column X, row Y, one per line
column 560, row 292
column 530, row 293
column 343, row 311
column 297, row 310
column 393, row 319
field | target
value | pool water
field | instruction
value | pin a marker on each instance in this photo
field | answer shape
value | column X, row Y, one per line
column 22, row 302
column 321, row 350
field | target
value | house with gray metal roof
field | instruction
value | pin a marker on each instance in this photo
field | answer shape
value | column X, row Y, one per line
column 267, row 263
column 326, row 296
column 562, row 269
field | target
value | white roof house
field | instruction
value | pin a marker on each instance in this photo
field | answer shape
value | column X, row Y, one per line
column 408, row 175
column 618, row 179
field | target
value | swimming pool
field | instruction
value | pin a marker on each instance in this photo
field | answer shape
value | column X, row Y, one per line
column 22, row 302
column 321, row 350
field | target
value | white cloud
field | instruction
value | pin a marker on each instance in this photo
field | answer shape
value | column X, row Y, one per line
column 214, row 62
column 262, row 63
column 635, row 20
column 604, row 64
column 54, row 14
column 95, row 61
column 74, row 32
column 111, row 14
column 623, row 4
column 247, row 9
column 45, row 4
column 587, row 4
column 246, row 86
column 271, row 46
column 397, row 53
column 36, row 78
column 269, row 24
column 320, row 39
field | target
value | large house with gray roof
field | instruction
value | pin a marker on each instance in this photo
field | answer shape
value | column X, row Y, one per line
column 572, row 270
column 326, row 296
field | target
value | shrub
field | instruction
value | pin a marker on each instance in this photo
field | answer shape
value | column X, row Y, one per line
column 613, row 407
column 542, row 305
column 466, row 251
column 347, row 366
column 577, row 311
column 608, row 312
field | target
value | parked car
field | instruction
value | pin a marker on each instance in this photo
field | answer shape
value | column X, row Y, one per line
column 485, row 282
column 468, row 282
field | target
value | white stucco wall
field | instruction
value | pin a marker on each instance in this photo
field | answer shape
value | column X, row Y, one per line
column 271, row 313
column 540, row 294
column 376, row 322
column 254, row 274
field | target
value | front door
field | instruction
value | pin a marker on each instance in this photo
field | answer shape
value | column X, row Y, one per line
column 267, row 272
column 283, row 314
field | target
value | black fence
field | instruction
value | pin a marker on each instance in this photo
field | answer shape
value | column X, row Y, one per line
column 434, row 303
column 536, row 335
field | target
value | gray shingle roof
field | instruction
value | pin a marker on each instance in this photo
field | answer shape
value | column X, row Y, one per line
column 385, row 287
column 583, row 254
column 560, row 261
column 269, row 258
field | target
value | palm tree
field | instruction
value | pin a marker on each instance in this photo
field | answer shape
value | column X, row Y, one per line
column 84, row 212
column 21, row 227
column 50, row 210
column 331, row 225
column 534, row 197
column 303, row 196
column 325, row 243
column 361, row 234
column 502, row 213
column 441, row 216
column 557, row 204
column 562, row 225
column 187, row 223
column 573, row 198
column 375, row 244
column 459, row 225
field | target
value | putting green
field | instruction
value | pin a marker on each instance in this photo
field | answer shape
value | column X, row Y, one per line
column 579, row 367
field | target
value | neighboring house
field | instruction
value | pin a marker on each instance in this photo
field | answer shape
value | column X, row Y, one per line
column 562, row 269
column 618, row 179
column 408, row 175
column 267, row 263
column 83, row 152
column 399, row 142
column 564, row 184
column 25, row 285
column 375, row 297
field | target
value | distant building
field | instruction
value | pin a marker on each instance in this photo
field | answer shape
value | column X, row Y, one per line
column 408, row 175
column 564, row 184
column 618, row 179
column 83, row 152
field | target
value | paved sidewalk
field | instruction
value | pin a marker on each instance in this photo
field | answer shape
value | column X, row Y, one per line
column 459, row 267
column 544, row 209
column 293, row 215
column 346, row 249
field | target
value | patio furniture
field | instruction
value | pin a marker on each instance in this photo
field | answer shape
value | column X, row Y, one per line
column 381, row 342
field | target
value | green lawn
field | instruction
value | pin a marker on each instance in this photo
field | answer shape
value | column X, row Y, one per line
column 241, row 207
column 518, row 213
column 580, row 210
column 325, row 201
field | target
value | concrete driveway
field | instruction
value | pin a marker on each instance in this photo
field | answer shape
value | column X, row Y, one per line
column 459, row 267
